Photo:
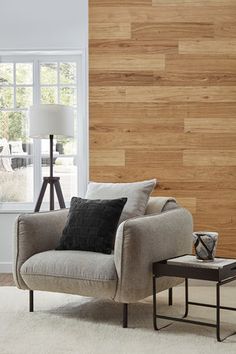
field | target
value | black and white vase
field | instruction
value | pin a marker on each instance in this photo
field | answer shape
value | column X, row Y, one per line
column 205, row 245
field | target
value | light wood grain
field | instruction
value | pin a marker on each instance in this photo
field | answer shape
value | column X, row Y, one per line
column 175, row 119
column 152, row 158
column 188, row 203
column 129, row 47
column 225, row 30
column 209, row 158
column 176, row 30
column 193, row 2
column 199, row 174
column 107, row 157
column 163, row 14
column 125, row 62
column 110, row 30
column 163, row 94
column 143, row 112
column 142, row 77
column 118, row 77
column 227, row 46
column 144, row 139
column 211, row 109
column 119, row 3
column 188, row 63
column 135, row 125
column 210, row 125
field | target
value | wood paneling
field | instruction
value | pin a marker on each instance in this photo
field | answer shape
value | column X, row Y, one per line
column 163, row 94
column 193, row 2
column 163, row 14
column 135, row 61
column 107, row 158
column 110, row 31
column 190, row 63
column 210, row 125
column 163, row 103
column 174, row 30
column 209, row 158
column 227, row 46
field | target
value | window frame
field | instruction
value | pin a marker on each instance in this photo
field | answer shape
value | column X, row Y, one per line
column 80, row 57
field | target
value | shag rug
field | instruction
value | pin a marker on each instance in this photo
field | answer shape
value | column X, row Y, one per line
column 64, row 324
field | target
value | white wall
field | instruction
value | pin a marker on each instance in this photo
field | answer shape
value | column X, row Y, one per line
column 42, row 24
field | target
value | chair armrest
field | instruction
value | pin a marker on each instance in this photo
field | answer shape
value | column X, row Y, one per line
column 35, row 233
column 144, row 240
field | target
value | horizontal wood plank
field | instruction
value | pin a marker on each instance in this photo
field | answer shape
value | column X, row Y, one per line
column 163, row 14
column 210, row 125
column 103, row 3
column 110, row 30
column 152, row 158
column 136, row 125
column 159, row 78
column 165, row 174
column 211, row 109
column 176, row 30
column 163, row 94
column 193, row 2
column 227, row 46
column 209, row 158
column 125, row 62
column 126, row 46
column 144, row 112
column 188, row 63
column 121, row 78
column 107, row 157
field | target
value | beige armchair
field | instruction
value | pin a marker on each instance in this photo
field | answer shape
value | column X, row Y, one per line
column 125, row 276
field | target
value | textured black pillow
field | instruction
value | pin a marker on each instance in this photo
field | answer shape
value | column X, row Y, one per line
column 91, row 225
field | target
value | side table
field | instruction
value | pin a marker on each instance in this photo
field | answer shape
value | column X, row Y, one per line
column 221, row 271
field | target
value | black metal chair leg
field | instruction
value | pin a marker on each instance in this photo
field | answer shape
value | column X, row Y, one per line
column 186, row 298
column 125, row 315
column 31, row 301
column 170, row 296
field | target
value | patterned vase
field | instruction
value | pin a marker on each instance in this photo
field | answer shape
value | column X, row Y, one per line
column 205, row 245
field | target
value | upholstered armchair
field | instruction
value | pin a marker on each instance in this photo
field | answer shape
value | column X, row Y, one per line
column 125, row 276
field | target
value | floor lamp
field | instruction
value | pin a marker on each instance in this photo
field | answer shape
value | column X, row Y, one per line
column 45, row 121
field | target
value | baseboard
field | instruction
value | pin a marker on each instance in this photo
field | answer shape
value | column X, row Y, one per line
column 5, row 267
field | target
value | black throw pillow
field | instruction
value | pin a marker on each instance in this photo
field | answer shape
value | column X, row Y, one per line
column 91, row 225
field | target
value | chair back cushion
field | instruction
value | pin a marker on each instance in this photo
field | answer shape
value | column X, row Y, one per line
column 137, row 193
column 159, row 204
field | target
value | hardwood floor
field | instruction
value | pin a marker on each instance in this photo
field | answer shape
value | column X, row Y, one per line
column 6, row 279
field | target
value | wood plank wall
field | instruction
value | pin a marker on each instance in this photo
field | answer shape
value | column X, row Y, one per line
column 163, row 103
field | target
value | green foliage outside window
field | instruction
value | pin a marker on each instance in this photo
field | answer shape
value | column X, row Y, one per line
column 13, row 126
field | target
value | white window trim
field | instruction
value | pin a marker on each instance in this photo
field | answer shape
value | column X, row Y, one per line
column 83, row 134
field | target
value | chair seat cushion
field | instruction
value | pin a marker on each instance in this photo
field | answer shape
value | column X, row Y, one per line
column 74, row 272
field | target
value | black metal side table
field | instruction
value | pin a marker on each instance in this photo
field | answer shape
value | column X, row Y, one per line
column 222, row 271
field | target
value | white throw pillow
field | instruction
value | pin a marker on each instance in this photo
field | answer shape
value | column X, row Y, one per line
column 137, row 193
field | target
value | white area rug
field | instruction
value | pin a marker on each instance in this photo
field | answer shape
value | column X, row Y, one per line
column 73, row 324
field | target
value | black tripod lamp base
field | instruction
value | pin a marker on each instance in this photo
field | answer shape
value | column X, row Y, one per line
column 53, row 182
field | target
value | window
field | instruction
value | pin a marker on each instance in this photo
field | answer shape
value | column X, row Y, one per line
column 25, row 80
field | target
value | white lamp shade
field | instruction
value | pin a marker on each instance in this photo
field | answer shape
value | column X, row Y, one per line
column 50, row 119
